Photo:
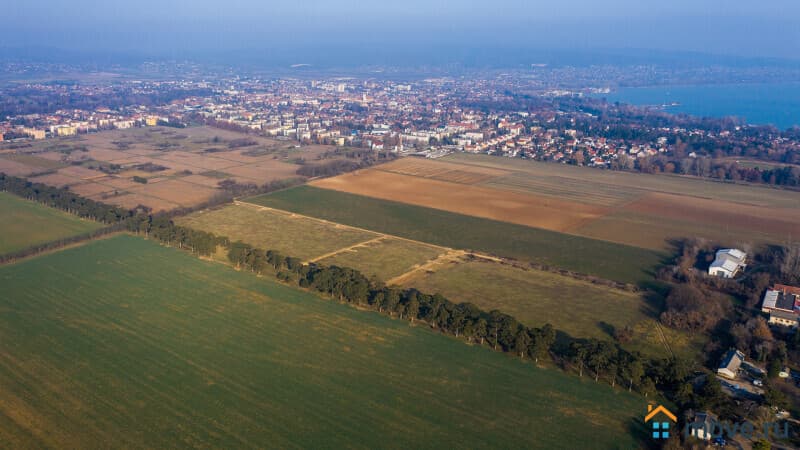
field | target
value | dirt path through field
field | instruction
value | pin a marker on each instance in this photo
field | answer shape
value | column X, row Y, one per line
column 346, row 249
column 450, row 257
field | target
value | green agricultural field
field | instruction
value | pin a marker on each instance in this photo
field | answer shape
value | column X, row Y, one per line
column 275, row 230
column 580, row 254
column 135, row 345
column 535, row 298
column 385, row 259
column 25, row 223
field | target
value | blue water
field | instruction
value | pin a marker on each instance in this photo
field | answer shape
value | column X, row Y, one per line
column 761, row 104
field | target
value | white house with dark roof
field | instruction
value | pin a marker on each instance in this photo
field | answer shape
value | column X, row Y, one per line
column 728, row 263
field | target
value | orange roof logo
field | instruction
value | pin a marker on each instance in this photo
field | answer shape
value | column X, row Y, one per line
column 652, row 412
column 661, row 429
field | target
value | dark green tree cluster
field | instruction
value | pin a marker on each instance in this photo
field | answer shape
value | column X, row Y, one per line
column 609, row 361
column 163, row 229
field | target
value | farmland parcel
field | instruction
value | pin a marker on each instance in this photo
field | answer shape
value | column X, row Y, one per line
column 576, row 253
column 135, row 345
column 635, row 209
column 182, row 168
column 25, row 223
column 535, row 297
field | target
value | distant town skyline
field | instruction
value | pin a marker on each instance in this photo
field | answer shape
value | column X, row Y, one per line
column 736, row 28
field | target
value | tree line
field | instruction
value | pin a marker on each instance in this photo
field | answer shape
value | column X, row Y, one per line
column 63, row 199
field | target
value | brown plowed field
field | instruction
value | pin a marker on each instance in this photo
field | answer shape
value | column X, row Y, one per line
column 476, row 201
column 456, row 173
column 720, row 214
column 641, row 210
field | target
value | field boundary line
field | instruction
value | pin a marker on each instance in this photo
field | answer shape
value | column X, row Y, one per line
column 453, row 255
column 348, row 248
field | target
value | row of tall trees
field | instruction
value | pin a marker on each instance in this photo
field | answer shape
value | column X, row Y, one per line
column 163, row 229
column 63, row 199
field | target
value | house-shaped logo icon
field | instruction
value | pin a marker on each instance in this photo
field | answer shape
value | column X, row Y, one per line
column 657, row 416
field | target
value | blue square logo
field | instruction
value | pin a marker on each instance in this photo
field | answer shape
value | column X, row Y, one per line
column 660, row 426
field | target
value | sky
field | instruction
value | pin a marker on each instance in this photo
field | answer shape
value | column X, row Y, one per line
column 317, row 30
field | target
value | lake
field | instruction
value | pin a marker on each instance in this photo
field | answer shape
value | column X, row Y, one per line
column 775, row 104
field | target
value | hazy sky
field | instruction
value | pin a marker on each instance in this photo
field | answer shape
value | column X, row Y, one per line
column 734, row 27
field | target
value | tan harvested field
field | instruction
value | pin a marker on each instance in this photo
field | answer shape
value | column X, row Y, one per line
column 270, row 229
column 523, row 209
column 535, row 297
column 201, row 180
column 90, row 189
column 657, row 217
column 443, row 171
column 572, row 189
column 642, row 210
column 588, row 180
column 263, row 171
column 16, row 169
column 118, row 183
column 713, row 213
column 53, row 156
column 176, row 191
column 132, row 200
column 384, row 258
column 57, row 179
column 81, row 173
column 33, row 161
column 179, row 153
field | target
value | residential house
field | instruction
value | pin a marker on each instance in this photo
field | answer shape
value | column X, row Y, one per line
column 729, row 368
column 728, row 263
column 702, row 425
column 782, row 303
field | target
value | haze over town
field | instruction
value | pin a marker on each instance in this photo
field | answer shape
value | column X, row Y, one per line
column 411, row 31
